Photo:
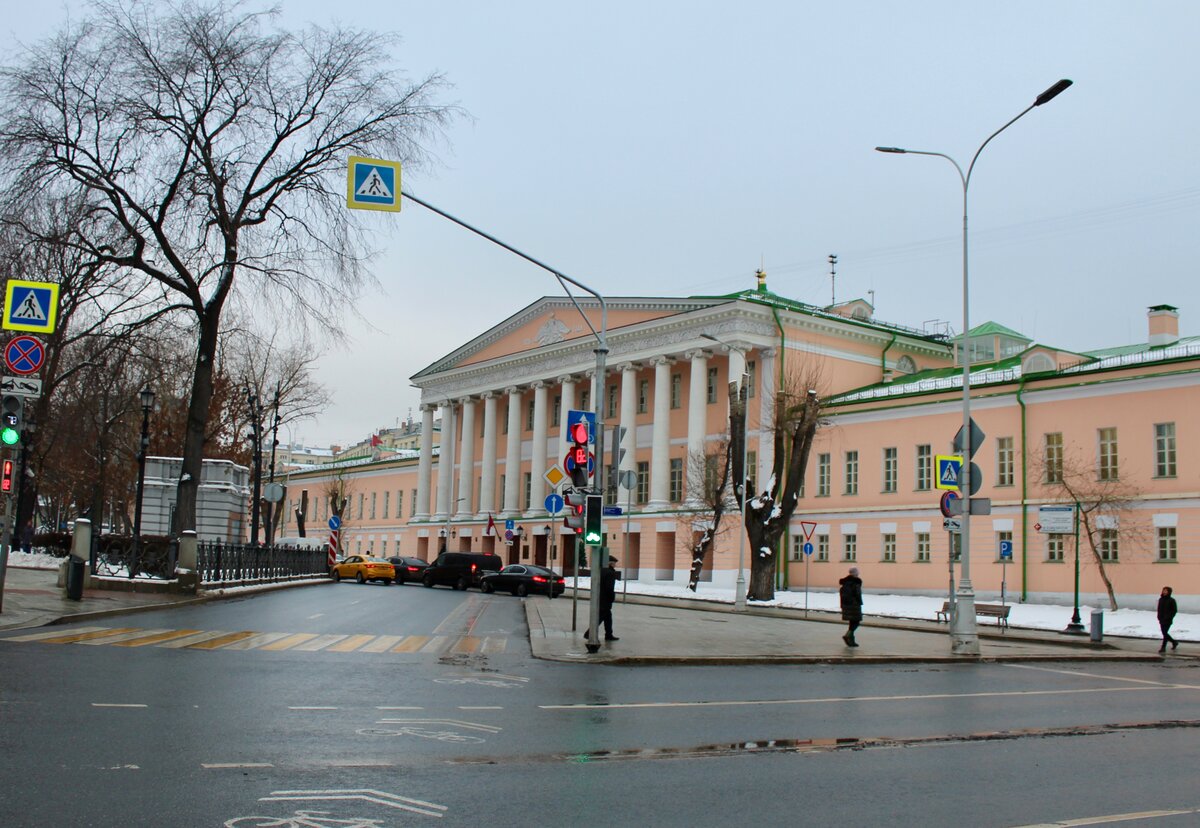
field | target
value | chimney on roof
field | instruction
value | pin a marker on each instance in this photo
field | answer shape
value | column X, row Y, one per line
column 1164, row 325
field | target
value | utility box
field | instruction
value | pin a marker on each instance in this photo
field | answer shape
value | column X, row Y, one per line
column 1097, row 625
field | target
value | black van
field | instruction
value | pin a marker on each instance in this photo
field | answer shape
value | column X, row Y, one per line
column 460, row 569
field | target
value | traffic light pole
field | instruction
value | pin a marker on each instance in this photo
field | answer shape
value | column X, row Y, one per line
column 6, row 536
column 601, row 351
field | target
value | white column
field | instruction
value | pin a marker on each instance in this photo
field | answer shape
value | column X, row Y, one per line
column 425, row 464
column 628, row 417
column 660, row 446
column 737, row 365
column 766, row 419
column 537, row 484
column 445, row 487
column 697, row 416
column 466, row 462
column 487, row 480
column 568, row 402
column 512, row 456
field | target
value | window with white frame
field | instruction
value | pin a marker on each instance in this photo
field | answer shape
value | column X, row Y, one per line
column 585, row 400
column 888, row 545
column 797, row 547
column 889, row 470
column 412, row 508
column 529, row 409
column 1109, row 548
column 557, row 416
column 1053, row 457
column 851, row 472
column 676, row 487
column 387, row 496
column 956, row 546
column 1000, row 538
column 752, row 470
column 1056, row 547
column 1164, row 450
column 711, row 388
column 850, row 547
column 613, row 395
column 374, row 499
column 504, row 422
column 643, row 400
column 643, row 482
column 923, row 547
column 360, row 507
column 924, row 468
column 823, row 473
column 1167, row 544
column 822, row 548
column 1108, row 453
column 676, row 390
column 528, row 484
column 1004, row 461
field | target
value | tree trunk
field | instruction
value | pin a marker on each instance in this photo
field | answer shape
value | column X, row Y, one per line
column 1087, row 527
column 197, row 418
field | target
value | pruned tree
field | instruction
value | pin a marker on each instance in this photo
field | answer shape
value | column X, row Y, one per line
column 707, row 483
column 1071, row 478
column 797, row 412
column 211, row 151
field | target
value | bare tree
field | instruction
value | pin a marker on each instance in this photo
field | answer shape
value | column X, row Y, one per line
column 208, row 147
column 1098, row 500
column 707, row 482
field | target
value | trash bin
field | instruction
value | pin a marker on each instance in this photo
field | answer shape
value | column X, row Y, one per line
column 1097, row 625
column 75, row 570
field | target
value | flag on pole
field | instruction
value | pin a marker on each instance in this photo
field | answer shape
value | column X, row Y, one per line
column 491, row 527
column 376, row 440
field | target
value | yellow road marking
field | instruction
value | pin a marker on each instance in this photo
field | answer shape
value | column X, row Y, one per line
column 411, row 644
column 189, row 640
column 318, row 643
column 382, row 644
column 88, row 636
column 221, row 641
column 121, row 639
column 42, row 636
column 466, row 644
column 289, row 642
column 351, row 644
column 166, row 635
column 255, row 641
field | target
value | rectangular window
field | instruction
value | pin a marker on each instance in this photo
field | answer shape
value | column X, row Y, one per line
column 676, row 479
column 529, row 408
column 412, row 504
column 889, row 470
column 360, row 507
column 374, row 498
column 849, row 547
column 752, row 471
column 822, row 547
column 482, row 425
column 1056, row 546
column 504, row 423
column 528, row 484
column 823, row 472
column 676, row 390
column 1164, row 450
column 797, row 548
column 643, row 482
column 1109, row 548
column 1167, row 544
column 711, row 390
column 1004, row 461
column 613, row 395
column 387, row 506
column 889, row 548
column 585, row 400
column 851, row 472
column 643, row 396
column 1000, row 538
column 1108, row 453
column 923, row 547
column 1054, row 457
column 399, row 503
column 557, row 418
column 924, row 468
column 751, row 377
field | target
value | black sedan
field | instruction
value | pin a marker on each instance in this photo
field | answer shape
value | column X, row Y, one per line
column 409, row 569
column 523, row 579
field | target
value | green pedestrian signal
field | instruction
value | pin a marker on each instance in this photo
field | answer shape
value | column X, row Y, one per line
column 12, row 410
column 593, row 521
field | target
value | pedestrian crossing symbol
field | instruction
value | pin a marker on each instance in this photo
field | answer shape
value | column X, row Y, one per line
column 372, row 184
column 949, row 467
column 31, row 306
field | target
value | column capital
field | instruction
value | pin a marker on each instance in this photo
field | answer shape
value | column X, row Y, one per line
column 626, row 366
column 424, row 407
column 563, row 380
column 537, row 384
column 661, row 360
column 736, row 345
column 512, row 390
column 465, row 400
column 488, row 395
column 697, row 353
column 768, row 352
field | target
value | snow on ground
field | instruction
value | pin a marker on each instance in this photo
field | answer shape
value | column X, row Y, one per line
column 1127, row 622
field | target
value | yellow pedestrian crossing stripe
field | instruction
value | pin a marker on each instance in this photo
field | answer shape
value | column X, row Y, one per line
column 267, row 641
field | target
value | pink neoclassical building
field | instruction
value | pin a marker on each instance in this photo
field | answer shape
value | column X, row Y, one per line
column 893, row 403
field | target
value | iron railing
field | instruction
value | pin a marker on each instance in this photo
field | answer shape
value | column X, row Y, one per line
column 114, row 556
column 234, row 564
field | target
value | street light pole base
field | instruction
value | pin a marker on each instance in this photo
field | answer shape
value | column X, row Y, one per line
column 964, row 634
column 1074, row 628
column 739, row 595
column 593, row 649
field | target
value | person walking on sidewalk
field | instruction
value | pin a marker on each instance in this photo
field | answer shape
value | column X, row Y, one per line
column 1166, row 614
column 608, row 595
column 850, row 592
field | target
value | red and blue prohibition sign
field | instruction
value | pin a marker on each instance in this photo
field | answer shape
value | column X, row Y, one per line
column 24, row 355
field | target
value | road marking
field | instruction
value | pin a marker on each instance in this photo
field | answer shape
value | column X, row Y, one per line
column 289, row 642
column 318, row 643
column 480, row 707
column 1110, row 818
column 225, row 765
column 255, row 641
column 382, row 644
column 109, row 704
column 351, row 644
column 379, row 797
column 189, row 640
column 466, row 644
column 312, row 707
column 399, row 708
column 318, row 615
column 42, row 636
column 1100, row 676
column 838, row 699
column 222, row 640
column 123, row 638
column 72, row 638
column 459, row 722
column 167, row 635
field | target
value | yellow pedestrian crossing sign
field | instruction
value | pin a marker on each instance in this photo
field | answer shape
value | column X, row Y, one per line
column 373, row 184
column 31, row 306
column 949, row 468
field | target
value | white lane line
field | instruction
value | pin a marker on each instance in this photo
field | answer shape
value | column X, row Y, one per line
column 312, row 707
column 103, row 704
column 366, row 794
column 318, row 615
column 839, row 699
column 1101, row 676
column 225, row 765
column 1111, row 818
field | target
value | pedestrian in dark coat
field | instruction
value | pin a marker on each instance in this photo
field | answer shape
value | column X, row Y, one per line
column 850, row 592
column 608, row 595
column 1166, row 614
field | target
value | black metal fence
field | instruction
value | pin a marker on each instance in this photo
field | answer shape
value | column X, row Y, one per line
column 234, row 564
column 115, row 556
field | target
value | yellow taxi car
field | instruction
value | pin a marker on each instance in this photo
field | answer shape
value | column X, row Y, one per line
column 362, row 569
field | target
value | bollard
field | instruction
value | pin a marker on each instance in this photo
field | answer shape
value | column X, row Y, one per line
column 81, row 543
column 1097, row 625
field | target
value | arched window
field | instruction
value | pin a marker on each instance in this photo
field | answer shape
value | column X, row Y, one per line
column 905, row 365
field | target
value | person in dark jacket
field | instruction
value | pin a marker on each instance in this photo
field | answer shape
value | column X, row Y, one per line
column 608, row 595
column 1166, row 614
column 850, row 592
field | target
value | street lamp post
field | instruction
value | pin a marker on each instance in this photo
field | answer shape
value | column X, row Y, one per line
column 146, row 397
column 963, row 632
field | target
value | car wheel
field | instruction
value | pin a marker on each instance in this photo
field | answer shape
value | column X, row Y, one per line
column 428, row 581
column 387, row 581
column 400, row 580
column 521, row 590
column 359, row 577
column 337, row 576
column 487, row 587
column 461, row 584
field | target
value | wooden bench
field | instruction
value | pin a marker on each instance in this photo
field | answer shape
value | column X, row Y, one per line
column 997, row 611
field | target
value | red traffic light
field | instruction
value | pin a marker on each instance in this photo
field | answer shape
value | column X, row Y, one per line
column 579, row 432
column 6, row 478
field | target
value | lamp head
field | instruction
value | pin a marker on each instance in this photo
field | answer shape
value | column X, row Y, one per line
column 1053, row 92
column 147, row 397
column 896, row 150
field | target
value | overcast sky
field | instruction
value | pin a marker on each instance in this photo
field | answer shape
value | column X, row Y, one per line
column 670, row 148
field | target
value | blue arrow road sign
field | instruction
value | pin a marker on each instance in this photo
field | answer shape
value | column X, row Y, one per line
column 335, row 522
column 808, row 549
column 554, row 504
column 574, row 416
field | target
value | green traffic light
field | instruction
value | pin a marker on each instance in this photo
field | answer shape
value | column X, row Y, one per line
column 10, row 436
column 591, row 538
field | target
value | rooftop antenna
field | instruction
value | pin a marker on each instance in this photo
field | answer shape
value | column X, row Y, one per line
column 832, row 279
column 871, row 293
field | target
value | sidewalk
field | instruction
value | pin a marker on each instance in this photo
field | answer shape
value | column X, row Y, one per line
column 656, row 630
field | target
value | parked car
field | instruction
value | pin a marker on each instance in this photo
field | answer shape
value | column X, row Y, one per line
column 522, row 579
column 460, row 569
column 408, row 569
column 362, row 569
